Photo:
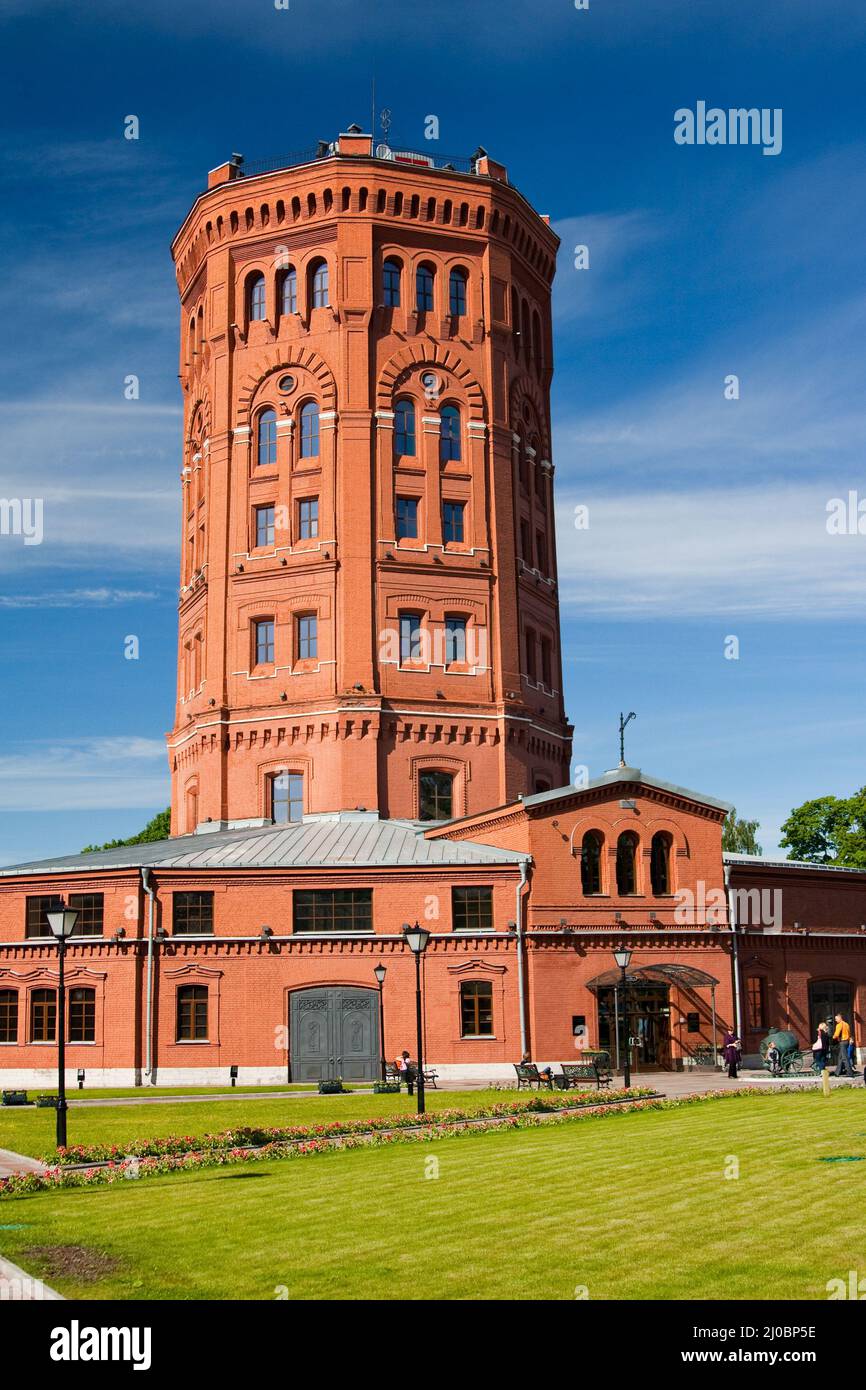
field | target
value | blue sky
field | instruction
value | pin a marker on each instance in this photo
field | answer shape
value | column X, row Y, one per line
column 707, row 516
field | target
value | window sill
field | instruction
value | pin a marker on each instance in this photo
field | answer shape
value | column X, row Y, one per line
column 192, row 1042
column 478, row 1037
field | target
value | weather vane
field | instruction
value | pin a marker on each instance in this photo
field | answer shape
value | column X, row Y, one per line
column 622, row 723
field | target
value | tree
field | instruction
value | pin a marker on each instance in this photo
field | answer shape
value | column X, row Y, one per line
column 738, row 836
column 156, row 829
column 828, row 830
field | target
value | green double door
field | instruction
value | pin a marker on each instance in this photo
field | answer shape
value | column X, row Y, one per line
column 335, row 1032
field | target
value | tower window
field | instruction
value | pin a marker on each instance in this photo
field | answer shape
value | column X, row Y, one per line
column 264, row 641
column 660, row 866
column 192, row 1013
column 476, row 1009
column 435, row 796
column 455, row 640
column 424, row 282
column 404, row 429
column 530, row 655
column 257, row 297
column 267, row 438
column 546, row 663
column 309, row 430
column 286, row 797
column 590, row 862
column 457, row 293
column 320, row 298
column 289, row 291
column 391, row 283
column 410, row 638
column 626, row 863
column 449, row 433
column 407, row 518
column 308, row 518
column 265, row 528
column 452, row 522
column 307, row 636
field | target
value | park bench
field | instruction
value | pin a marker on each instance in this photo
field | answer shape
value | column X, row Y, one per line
column 528, row 1075
column 15, row 1098
column 393, row 1073
column 593, row 1069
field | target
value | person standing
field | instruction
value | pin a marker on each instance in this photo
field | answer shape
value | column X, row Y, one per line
column 821, row 1048
column 731, row 1054
column 842, row 1036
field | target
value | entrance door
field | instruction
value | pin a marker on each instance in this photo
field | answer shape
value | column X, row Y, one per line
column 647, row 1031
column 335, row 1032
column 826, row 999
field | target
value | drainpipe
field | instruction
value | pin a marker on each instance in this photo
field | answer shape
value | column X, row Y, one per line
column 521, row 970
column 147, row 885
column 735, row 952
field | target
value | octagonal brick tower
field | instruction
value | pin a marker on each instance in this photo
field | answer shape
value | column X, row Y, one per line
column 368, row 611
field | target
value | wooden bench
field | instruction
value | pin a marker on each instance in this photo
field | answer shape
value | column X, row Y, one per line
column 593, row 1069
column 15, row 1098
column 528, row 1075
column 393, row 1074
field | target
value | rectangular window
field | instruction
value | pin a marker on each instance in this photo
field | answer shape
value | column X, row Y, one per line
column 192, row 914
column 530, row 654
column 410, row 638
column 472, row 909
column 455, row 640
column 407, row 518
column 525, row 547
column 43, row 1016
column 476, row 1009
column 82, row 1015
column 265, row 530
column 333, row 909
column 192, row 1013
column 308, row 518
column 541, row 552
column 36, row 915
column 287, row 797
column 90, row 909
column 264, row 642
column 452, row 523
column 756, row 997
column 546, row 663
column 307, row 629
column 8, row 1015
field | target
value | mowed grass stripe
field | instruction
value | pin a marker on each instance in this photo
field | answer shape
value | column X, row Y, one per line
column 632, row 1206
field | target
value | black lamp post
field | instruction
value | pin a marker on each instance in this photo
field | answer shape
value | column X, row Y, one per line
column 416, row 939
column 380, row 972
column 62, row 923
column 622, row 956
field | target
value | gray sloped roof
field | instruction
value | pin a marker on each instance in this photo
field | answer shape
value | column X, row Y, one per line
column 758, row 861
column 344, row 841
column 628, row 775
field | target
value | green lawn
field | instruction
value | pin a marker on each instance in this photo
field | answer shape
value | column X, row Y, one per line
column 31, row 1131
column 630, row 1206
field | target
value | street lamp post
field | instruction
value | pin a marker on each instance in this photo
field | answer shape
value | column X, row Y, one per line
column 416, row 939
column 379, row 971
column 622, row 956
column 62, row 924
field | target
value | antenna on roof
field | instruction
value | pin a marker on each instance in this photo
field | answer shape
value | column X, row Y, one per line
column 622, row 727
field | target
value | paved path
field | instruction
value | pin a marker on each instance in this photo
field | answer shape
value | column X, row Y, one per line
column 19, row 1163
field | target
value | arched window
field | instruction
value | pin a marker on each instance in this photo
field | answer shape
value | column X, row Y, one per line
column 267, row 437
column 309, row 430
column 319, row 284
column 404, row 429
column 435, row 796
column 289, row 291
column 590, row 862
column 424, row 280
column 457, row 293
column 449, row 433
column 391, row 283
column 626, row 863
column 660, row 863
column 256, row 296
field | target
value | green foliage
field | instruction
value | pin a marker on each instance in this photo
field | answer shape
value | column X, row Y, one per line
column 828, row 830
column 738, row 836
column 157, row 829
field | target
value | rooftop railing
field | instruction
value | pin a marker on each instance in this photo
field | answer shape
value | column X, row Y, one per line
column 396, row 154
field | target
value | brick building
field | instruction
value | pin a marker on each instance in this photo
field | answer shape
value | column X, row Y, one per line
column 369, row 725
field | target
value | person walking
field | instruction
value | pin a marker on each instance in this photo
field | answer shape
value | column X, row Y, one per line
column 821, row 1048
column 731, row 1054
column 842, row 1036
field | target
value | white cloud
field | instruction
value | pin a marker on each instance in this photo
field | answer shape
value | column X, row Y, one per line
column 89, row 774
